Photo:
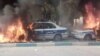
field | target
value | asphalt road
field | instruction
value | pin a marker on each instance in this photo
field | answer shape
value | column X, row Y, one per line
column 51, row 51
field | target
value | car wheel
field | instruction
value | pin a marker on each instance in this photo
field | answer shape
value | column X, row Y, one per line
column 88, row 37
column 57, row 38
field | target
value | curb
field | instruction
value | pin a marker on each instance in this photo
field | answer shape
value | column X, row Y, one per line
column 50, row 44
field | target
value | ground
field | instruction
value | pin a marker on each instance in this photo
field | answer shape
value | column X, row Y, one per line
column 51, row 51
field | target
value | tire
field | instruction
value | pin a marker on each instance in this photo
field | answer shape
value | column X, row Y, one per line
column 57, row 38
column 88, row 37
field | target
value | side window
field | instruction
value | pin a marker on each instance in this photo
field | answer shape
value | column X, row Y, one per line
column 44, row 26
column 48, row 26
column 39, row 26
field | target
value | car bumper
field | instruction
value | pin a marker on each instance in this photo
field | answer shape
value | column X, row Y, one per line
column 64, row 36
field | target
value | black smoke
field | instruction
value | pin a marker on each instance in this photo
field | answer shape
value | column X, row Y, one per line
column 3, row 3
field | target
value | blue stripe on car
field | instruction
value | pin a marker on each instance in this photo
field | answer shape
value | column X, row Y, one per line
column 50, row 32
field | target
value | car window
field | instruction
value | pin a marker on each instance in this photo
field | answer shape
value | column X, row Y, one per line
column 44, row 26
column 48, row 25
column 39, row 26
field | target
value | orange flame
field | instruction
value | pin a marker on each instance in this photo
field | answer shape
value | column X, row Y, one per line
column 13, row 33
column 30, row 26
column 91, row 21
column 3, row 39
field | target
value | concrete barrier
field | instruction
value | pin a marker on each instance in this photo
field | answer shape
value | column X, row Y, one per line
column 34, row 44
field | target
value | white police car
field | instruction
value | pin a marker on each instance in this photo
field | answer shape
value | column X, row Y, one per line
column 84, row 34
column 49, row 30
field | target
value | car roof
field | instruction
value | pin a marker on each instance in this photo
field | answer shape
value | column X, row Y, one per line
column 43, row 22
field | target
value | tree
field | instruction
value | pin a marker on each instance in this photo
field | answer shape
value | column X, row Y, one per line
column 49, row 10
column 67, row 11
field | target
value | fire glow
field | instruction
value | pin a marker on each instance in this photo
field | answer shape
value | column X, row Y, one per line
column 91, row 20
column 14, row 33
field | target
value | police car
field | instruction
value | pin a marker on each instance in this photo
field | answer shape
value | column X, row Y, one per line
column 84, row 34
column 50, row 30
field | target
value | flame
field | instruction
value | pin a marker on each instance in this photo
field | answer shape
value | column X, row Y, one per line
column 30, row 26
column 91, row 21
column 14, row 33
column 3, row 39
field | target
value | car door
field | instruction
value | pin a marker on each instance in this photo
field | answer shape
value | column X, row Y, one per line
column 49, row 30
column 39, row 31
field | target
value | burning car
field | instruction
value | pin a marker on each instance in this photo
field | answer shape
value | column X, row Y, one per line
column 50, row 30
column 84, row 34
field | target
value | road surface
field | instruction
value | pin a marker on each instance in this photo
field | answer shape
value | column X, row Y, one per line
column 51, row 51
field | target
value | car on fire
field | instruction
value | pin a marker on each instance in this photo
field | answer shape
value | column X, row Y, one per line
column 50, row 30
column 84, row 34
